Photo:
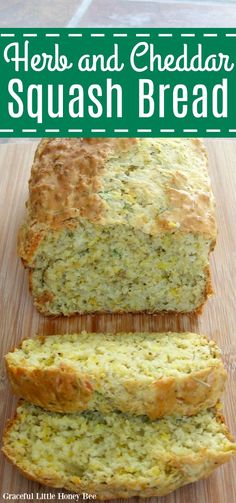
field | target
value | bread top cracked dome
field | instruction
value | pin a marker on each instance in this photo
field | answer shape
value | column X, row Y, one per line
column 154, row 185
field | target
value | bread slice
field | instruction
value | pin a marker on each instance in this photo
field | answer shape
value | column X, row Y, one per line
column 115, row 455
column 119, row 225
column 140, row 373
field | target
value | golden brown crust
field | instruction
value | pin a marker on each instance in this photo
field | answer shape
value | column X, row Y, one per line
column 56, row 389
column 65, row 389
column 67, row 175
column 197, row 391
column 187, row 210
column 192, row 209
column 65, row 178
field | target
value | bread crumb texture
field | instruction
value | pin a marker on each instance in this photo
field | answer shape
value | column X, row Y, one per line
column 113, row 455
column 140, row 373
column 119, row 225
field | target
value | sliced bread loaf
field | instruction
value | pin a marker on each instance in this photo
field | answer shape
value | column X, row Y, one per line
column 140, row 373
column 115, row 455
column 119, row 225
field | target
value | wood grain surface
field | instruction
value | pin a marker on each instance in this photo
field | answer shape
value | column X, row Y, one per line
column 20, row 319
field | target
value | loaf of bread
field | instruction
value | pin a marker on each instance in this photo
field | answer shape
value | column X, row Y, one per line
column 115, row 455
column 141, row 373
column 119, row 225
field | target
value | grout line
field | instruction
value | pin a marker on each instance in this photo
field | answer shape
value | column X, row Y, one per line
column 74, row 20
column 197, row 2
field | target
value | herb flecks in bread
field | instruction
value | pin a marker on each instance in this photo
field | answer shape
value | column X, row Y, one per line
column 141, row 373
column 114, row 455
column 119, row 225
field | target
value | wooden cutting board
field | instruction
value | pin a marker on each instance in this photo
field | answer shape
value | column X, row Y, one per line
column 20, row 319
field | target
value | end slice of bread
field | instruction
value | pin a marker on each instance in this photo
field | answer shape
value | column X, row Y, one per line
column 154, row 374
column 115, row 455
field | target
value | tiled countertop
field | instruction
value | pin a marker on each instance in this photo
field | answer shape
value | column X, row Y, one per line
column 124, row 13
